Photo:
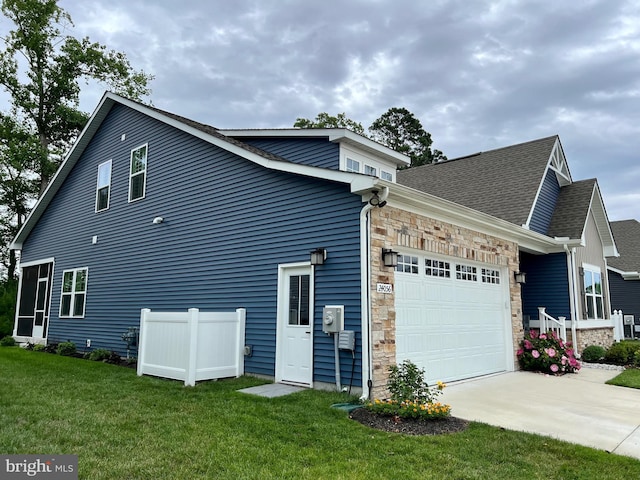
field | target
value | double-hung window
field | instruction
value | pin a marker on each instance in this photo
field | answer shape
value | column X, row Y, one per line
column 74, row 293
column 138, row 173
column 103, row 187
column 593, row 292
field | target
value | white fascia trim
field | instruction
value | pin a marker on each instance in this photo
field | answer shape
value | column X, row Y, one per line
column 444, row 210
column 37, row 262
column 65, row 167
column 623, row 274
column 602, row 223
column 556, row 148
column 336, row 135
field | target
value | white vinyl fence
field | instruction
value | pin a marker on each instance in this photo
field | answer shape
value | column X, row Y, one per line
column 193, row 345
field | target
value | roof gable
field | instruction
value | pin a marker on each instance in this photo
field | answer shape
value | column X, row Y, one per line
column 570, row 217
column 207, row 133
column 627, row 236
column 504, row 182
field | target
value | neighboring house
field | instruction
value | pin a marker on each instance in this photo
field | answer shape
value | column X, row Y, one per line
column 153, row 210
column 624, row 275
column 530, row 185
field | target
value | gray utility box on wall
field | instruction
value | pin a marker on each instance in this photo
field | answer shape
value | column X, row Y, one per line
column 332, row 318
column 347, row 340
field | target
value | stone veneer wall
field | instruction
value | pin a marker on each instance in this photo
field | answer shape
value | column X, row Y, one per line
column 395, row 228
column 593, row 336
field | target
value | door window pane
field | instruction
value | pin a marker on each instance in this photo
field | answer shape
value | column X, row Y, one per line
column 299, row 300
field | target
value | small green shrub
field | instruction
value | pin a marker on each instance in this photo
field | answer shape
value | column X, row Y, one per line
column 38, row 347
column 99, row 354
column 66, row 348
column 636, row 359
column 622, row 353
column 593, row 354
column 114, row 358
column 411, row 396
column 7, row 341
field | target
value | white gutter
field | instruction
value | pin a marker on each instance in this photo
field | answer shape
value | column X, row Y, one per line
column 573, row 297
column 365, row 298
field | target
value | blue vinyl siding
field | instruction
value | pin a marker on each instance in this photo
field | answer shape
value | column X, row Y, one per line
column 228, row 223
column 547, row 285
column 546, row 203
column 625, row 295
column 317, row 152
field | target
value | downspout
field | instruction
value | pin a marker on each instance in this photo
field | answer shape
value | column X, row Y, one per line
column 365, row 286
column 573, row 297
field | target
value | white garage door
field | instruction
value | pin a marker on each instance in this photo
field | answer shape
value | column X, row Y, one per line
column 451, row 317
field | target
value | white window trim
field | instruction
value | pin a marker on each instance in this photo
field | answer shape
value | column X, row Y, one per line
column 385, row 173
column 108, row 186
column 593, row 269
column 373, row 170
column 354, row 161
column 145, row 171
column 73, row 293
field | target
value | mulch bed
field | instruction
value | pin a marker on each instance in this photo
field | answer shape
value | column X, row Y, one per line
column 408, row 426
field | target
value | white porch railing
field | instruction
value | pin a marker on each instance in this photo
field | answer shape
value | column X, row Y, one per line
column 192, row 345
column 546, row 322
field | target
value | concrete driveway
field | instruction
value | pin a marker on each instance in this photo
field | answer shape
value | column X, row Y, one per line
column 577, row 408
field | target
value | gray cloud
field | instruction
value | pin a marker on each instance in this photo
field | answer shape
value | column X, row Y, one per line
column 479, row 75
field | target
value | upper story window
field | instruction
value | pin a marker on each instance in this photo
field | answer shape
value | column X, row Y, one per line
column 386, row 176
column 74, row 293
column 353, row 165
column 593, row 292
column 369, row 170
column 103, row 187
column 138, row 173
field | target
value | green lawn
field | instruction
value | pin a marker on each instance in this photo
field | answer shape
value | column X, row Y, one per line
column 127, row 427
column 629, row 378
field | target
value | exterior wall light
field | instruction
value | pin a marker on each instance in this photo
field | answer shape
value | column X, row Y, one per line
column 318, row 256
column 374, row 201
column 158, row 220
column 521, row 277
column 389, row 257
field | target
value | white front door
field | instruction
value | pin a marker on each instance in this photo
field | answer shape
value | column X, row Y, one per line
column 294, row 345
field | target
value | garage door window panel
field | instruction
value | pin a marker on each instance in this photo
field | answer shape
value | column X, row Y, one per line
column 407, row 264
column 467, row 272
column 490, row 276
column 437, row 268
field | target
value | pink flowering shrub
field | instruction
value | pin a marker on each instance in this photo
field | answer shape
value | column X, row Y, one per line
column 546, row 353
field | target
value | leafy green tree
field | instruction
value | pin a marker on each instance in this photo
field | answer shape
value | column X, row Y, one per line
column 20, row 153
column 8, row 293
column 400, row 130
column 324, row 120
column 397, row 129
column 41, row 69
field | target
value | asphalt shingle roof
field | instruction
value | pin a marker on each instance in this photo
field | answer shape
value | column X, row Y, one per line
column 570, row 214
column 501, row 182
column 627, row 236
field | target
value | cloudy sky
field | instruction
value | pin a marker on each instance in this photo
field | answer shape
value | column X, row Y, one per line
column 478, row 74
